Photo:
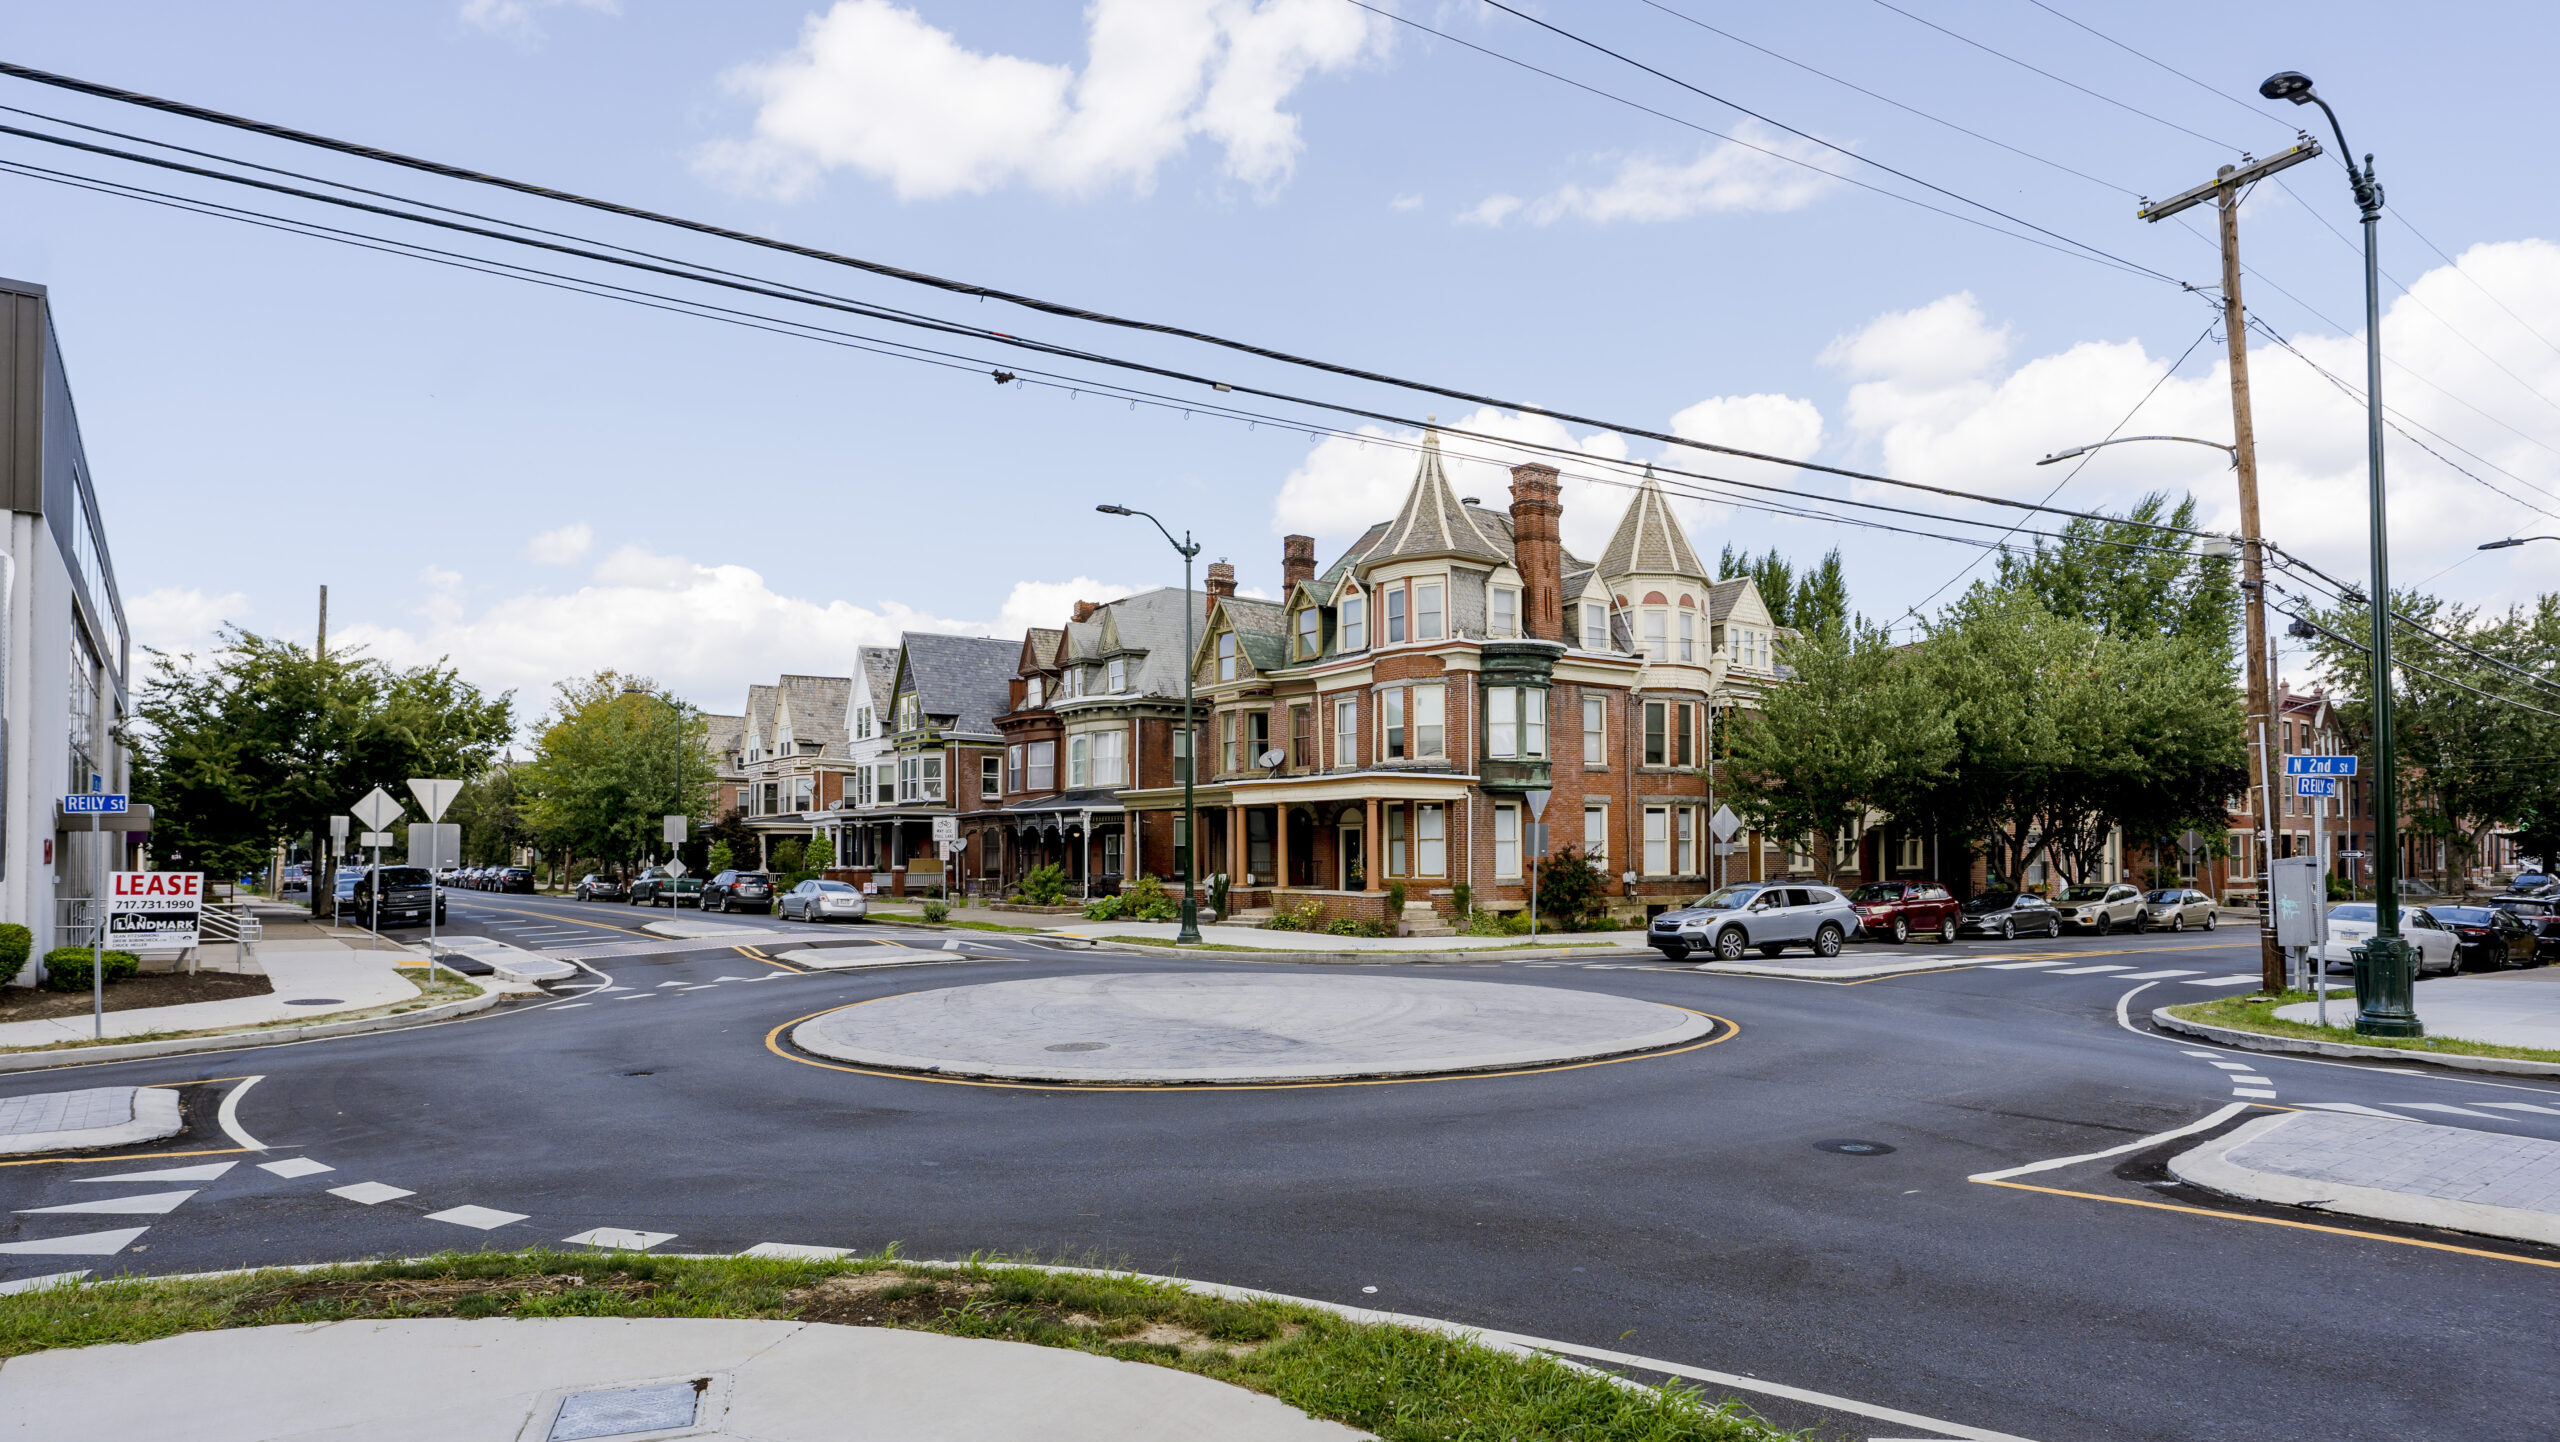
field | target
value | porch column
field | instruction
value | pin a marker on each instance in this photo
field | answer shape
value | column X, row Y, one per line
column 1280, row 844
column 1373, row 853
column 1236, row 855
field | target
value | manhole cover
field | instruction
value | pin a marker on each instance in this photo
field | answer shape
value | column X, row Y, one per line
column 621, row 1411
column 1078, row 1046
column 316, row 1001
column 1851, row 1148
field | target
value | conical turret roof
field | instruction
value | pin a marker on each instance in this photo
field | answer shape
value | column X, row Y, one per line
column 1432, row 522
column 1650, row 540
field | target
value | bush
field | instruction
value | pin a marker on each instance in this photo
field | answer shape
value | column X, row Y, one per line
column 1462, row 898
column 1103, row 908
column 937, row 910
column 819, row 855
column 1305, row 916
column 786, row 854
column 1572, row 892
column 1042, row 885
column 1498, row 923
column 15, row 944
column 1395, row 899
column 1145, row 899
column 1354, row 926
column 66, row 968
column 1218, row 895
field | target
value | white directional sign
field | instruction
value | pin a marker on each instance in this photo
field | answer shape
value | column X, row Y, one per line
column 946, row 828
column 434, row 795
column 156, row 909
column 673, row 829
column 379, row 838
column 377, row 810
column 1724, row 823
column 676, row 867
column 435, row 845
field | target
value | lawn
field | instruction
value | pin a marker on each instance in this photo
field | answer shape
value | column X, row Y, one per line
column 2256, row 1014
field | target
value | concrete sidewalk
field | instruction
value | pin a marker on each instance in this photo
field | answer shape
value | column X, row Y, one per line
column 558, row 1379
column 313, row 979
column 2520, row 1008
column 1257, row 939
column 2390, row 1169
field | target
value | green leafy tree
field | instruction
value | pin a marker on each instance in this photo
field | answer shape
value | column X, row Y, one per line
column 721, row 858
column 1572, row 892
column 820, row 853
column 2130, row 580
column 491, row 818
column 1820, row 606
column 606, row 767
column 260, row 741
column 1774, row 575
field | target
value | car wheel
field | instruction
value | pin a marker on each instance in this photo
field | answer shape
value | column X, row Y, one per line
column 2178, row 922
column 2106, row 923
column 1947, row 931
column 1826, row 941
column 1730, row 942
column 1901, row 929
column 2210, row 918
column 2008, row 928
column 2053, row 929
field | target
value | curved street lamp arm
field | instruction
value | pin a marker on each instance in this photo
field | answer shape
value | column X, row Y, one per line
column 2232, row 450
column 2514, row 541
column 1186, row 548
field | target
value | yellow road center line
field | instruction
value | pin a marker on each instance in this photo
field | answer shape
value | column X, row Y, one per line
column 142, row 1157
column 2280, row 1222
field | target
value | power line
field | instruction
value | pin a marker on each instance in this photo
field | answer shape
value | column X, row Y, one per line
column 2399, row 664
column 2212, row 90
column 2456, row 266
column 2295, row 566
column 2056, row 79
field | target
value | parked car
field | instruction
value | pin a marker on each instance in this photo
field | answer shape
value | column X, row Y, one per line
column 2531, row 883
column 406, row 893
column 1769, row 916
column 646, row 886
column 2101, row 909
column 342, row 890
column 1899, row 908
column 295, row 877
column 678, row 891
column 515, row 878
column 2351, row 925
column 2541, row 915
column 2490, row 937
column 2176, row 909
column 733, row 890
column 822, row 901
column 2009, row 915
column 596, row 886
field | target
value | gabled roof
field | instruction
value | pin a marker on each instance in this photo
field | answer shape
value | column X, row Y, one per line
column 878, row 665
column 758, row 733
column 1261, row 628
column 1650, row 540
column 817, row 705
column 1722, row 596
column 1432, row 522
column 1150, row 623
column 968, row 678
column 1040, row 649
column 723, row 734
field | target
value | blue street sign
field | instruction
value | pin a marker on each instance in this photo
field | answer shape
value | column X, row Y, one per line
column 2319, row 766
column 2315, row 785
column 102, row 803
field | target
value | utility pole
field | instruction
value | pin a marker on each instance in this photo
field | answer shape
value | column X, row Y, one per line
column 2224, row 190
column 320, row 652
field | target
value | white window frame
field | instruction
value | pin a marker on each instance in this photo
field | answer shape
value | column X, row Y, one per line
column 1430, row 720
column 1395, row 632
column 1502, row 722
column 1117, row 677
column 1505, row 614
column 1657, row 634
column 1595, row 731
column 990, row 777
column 1657, row 841
column 1430, row 610
column 1685, row 835
column 1226, row 655
column 1040, row 766
column 1034, row 693
column 1595, row 626
column 1079, row 763
column 1111, row 759
column 1394, row 742
column 1506, row 842
column 1352, row 621
column 1346, row 731
column 1308, row 628
column 933, row 776
column 1431, row 839
column 1688, row 635
column 1595, row 830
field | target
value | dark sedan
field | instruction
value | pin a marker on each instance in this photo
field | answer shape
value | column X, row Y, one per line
column 2009, row 915
column 596, row 886
column 514, row 878
column 2541, row 916
column 2488, row 936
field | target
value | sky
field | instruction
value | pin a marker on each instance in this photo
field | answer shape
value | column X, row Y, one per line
column 539, row 483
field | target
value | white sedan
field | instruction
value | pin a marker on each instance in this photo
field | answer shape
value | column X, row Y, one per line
column 822, row 901
column 2351, row 925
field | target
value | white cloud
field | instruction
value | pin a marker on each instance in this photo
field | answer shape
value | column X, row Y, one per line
column 180, row 618
column 1405, row 202
column 515, row 19
column 1491, row 211
column 563, row 546
column 1650, row 188
column 1345, row 485
column 1052, row 603
column 874, row 88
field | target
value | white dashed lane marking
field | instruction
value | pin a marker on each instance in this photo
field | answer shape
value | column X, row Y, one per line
column 482, row 1218
column 146, row 1204
column 619, row 1239
column 371, row 1193
column 292, row 1167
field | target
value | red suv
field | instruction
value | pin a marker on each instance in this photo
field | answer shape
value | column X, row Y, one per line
column 1899, row 908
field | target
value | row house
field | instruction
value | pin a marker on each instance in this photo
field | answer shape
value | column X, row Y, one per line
column 924, row 746
column 788, row 770
column 1388, row 719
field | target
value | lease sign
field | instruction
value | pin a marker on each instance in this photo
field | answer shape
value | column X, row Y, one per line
column 154, row 910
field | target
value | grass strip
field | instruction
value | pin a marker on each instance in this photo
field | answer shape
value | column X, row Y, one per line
column 2257, row 1014
column 1386, row 954
column 448, row 987
column 917, row 919
column 1401, row 1384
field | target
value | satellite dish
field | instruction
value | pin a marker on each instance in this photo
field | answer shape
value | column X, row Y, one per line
column 1272, row 757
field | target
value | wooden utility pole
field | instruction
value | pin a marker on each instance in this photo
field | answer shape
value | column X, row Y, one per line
column 320, row 829
column 2224, row 190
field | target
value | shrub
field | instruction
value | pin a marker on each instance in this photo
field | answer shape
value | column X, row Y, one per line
column 1354, row 926
column 1395, row 899
column 937, row 910
column 1218, row 895
column 1462, row 898
column 1498, row 923
column 1305, row 916
column 1103, row 908
column 721, row 858
column 66, row 968
column 1145, row 899
column 1042, row 885
column 1571, row 890
column 786, row 854
column 819, row 854
column 15, row 943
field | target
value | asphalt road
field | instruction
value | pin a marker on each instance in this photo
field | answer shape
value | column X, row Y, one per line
column 1679, row 1207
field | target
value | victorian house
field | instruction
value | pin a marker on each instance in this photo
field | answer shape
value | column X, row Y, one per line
column 939, row 756
column 869, row 784
column 1409, row 713
column 791, row 766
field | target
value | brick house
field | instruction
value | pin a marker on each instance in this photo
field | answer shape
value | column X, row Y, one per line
column 791, row 771
column 869, row 783
column 943, row 756
column 1387, row 719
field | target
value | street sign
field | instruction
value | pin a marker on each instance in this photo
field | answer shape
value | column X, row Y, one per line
column 2319, row 766
column 1537, row 838
column 377, row 810
column 434, row 795
column 2315, row 785
column 2189, row 841
column 435, row 845
column 156, row 909
column 676, row 867
column 946, row 828
column 672, row 828
column 1732, row 848
column 96, row 803
column 1537, row 803
column 337, row 831
column 1724, row 823
column 2300, row 906
column 379, row 838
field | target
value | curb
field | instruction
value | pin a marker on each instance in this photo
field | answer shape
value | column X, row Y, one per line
column 243, row 1040
column 2258, row 1041
column 2210, row 1167
column 1585, row 953
column 155, row 1115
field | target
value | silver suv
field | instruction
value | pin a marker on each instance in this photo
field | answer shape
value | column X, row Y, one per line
column 2102, row 908
column 1769, row 915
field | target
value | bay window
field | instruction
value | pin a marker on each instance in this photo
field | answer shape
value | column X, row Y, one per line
column 1688, row 636
column 1515, row 722
column 1079, row 763
column 1429, row 731
column 1040, row 766
column 1427, row 609
column 1227, row 743
column 1655, row 620
column 1391, row 724
column 1013, row 767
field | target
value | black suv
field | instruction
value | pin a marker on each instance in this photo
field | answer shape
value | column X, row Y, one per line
column 734, row 890
column 406, row 892
column 514, row 878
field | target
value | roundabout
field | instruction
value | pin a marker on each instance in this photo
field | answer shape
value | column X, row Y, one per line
column 1206, row 1029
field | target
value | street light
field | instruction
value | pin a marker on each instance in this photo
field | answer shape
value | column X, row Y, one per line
column 2233, row 450
column 2384, row 965
column 2514, row 541
column 1190, row 932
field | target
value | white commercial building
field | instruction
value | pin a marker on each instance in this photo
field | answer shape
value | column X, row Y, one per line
column 63, row 652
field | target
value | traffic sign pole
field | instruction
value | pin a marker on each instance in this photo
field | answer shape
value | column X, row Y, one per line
column 98, row 939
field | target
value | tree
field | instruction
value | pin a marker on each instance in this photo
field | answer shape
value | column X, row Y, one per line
column 491, row 816
column 2129, row 579
column 1820, row 606
column 605, row 768
column 261, row 741
column 821, row 853
column 1572, row 890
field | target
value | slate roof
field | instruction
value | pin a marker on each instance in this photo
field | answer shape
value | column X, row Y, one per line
column 880, row 665
column 1432, row 522
column 722, row 735
column 1723, row 594
column 817, row 709
column 968, row 678
column 1150, row 621
column 757, row 735
column 1650, row 540
column 1040, row 644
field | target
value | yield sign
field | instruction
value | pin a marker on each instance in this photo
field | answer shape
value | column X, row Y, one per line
column 377, row 810
column 434, row 795
column 1724, row 823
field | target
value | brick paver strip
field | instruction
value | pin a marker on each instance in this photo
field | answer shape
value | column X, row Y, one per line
column 66, row 1111
column 2417, row 1158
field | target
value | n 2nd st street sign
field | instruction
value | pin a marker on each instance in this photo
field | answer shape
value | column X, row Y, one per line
column 2319, row 766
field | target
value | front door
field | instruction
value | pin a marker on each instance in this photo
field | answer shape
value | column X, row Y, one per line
column 1355, row 873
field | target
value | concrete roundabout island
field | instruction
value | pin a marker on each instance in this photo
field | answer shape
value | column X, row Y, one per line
column 1207, row 1028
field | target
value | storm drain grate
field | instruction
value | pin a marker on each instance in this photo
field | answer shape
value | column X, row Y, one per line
column 1851, row 1147
column 622, row 1411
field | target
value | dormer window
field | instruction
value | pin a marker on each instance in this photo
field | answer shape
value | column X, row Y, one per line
column 1506, row 611
column 1428, row 609
column 1034, row 693
column 1354, row 621
column 1310, row 633
column 1595, row 626
column 1226, row 655
column 1118, row 675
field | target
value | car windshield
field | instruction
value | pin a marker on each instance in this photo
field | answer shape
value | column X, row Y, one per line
column 2464, row 915
column 2085, row 893
column 2352, row 911
column 1727, row 899
column 2168, row 896
column 404, row 876
column 1992, row 901
column 1880, row 892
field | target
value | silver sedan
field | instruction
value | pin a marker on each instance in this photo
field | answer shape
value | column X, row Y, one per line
column 823, row 901
column 2176, row 909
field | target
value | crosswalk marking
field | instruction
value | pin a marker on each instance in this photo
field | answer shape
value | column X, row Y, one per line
column 2087, row 970
column 145, row 1204
column 2448, row 1108
column 2523, row 1107
column 2352, row 1109
column 87, row 1244
column 205, row 1173
column 37, row 1284
column 292, row 1167
column 483, row 1218
column 372, row 1194
column 2245, row 978
column 572, row 1005
column 2020, row 965
column 619, row 1239
column 2234, row 1065
column 2258, row 1092
column 2155, row 975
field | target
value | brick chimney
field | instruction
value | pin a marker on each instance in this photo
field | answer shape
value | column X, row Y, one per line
column 1297, row 562
column 1537, row 546
column 1221, row 584
column 1085, row 609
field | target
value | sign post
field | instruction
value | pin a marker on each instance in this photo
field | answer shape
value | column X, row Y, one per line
column 377, row 811
column 434, row 795
column 1536, row 841
column 1723, row 824
column 98, row 803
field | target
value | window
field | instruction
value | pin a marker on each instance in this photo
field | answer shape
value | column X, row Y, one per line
column 1257, row 843
column 1072, row 682
column 862, row 722
column 1515, row 722
column 1655, row 619
column 1118, row 675
column 1533, row 723
column 1687, row 824
column 1310, row 633
column 1354, row 620
column 1685, row 752
column 770, row 802
column 1227, row 743
column 933, row 777
column 910, row 711
column 1079, row 762
column 1111, row 853
column 83, row 714
column 1688, row 636
column 1429, row 734
column 1595, row 731
column 1226, row 655
column 1013, row 767
column 1391, row 723
column 1346, row 731
column 1427, row 610
column 1111, row 758
column 991, row 776
column 1595, row 626
column 1181, row 752
column 1431, row 839
column 1913, row 856
column 886, row 776
column 1040, row 766
column 1395, row 615
column 1657, row 841
column 1506, row 611
column 1506, row 841
column 1396, row 857
column 1257, row 736
column 1657, row 748
column 1034, row 692
column 1595, row 831
column 1302, row 738
column 804, row 793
